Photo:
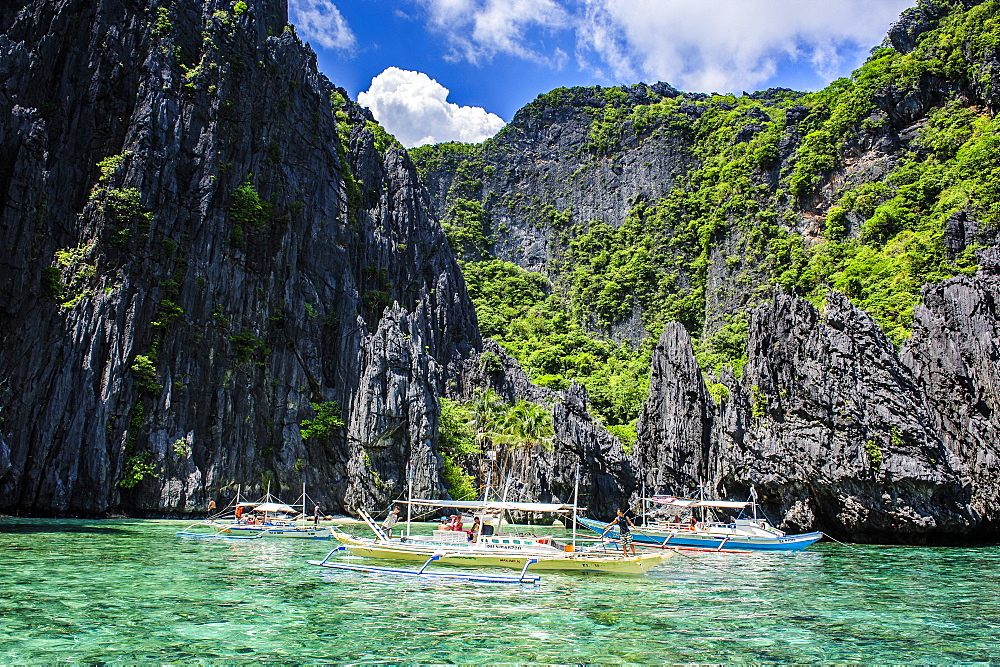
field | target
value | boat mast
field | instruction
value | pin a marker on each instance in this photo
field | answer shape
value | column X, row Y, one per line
column 409, row 496
column 645, row 505
column 576, row 496
column 503, row 499
column 701, row 497
column 491, row 455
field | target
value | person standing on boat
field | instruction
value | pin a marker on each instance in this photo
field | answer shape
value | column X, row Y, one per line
column 316, row 514
column 390, row 522
column 625, row 527
column 211, row 507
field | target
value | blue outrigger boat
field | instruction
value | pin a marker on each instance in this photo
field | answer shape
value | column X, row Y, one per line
column 750, row 534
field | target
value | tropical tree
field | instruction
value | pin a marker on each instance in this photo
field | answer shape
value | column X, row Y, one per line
column 508, row 433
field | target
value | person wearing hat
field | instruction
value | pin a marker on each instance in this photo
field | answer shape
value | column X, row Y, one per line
column 390, row 522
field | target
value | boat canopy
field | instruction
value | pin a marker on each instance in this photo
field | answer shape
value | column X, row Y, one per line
column 491, row 505
column 271, row 507
column 692, row 502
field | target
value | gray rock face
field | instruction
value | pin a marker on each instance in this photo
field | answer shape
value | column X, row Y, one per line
column 675, row 427
column 954, row 354
column 543, row 174
column 834, row 429
column 915, row 21
column 536, row 159
column 256, row 256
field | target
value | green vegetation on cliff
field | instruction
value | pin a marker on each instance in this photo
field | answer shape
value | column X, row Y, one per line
column 875, row 186
column 518, row 309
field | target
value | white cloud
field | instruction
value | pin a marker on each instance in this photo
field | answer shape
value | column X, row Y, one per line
column 414, row 108
column 321, row 22
column 704, row 45
column 726, row 45
column 478, row 30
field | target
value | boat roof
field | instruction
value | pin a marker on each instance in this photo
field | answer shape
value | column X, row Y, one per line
column 270, row 507
column 674, row 501
column 491, row 505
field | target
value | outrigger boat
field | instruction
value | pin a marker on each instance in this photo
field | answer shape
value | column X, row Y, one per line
column 267, row 517
column 750, row 533
column 497, row 549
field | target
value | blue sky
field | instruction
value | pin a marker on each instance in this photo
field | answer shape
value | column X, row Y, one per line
column 458, row 69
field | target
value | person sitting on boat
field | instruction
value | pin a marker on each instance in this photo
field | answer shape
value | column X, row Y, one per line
column 390, row 522
column 625, row 527
column 445, row 524
column 691, row 522
column 456, row 522
column 474, row 533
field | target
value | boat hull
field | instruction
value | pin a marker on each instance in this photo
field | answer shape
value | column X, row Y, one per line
column 468, row 557
column 701, row 540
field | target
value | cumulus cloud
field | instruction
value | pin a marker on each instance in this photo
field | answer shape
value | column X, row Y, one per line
column 320, row 21
column 415, row 109
column 478, row 30
column 723, row 45
column 726, row 45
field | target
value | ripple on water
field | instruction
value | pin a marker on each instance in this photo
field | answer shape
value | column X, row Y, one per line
column 79, row 591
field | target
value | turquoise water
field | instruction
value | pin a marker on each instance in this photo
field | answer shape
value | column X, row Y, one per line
column 131, row 591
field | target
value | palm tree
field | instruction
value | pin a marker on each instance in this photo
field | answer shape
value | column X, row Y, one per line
column 512, row 431
column 525, row 426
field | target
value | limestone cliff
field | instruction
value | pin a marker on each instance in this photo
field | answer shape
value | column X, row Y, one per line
column 954, row 356
column 203, row 241
column 656, row 214
column 209, row 252
column 827, row 423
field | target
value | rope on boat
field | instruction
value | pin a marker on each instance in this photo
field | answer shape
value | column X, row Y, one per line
column 842, row 544
column 714, row 567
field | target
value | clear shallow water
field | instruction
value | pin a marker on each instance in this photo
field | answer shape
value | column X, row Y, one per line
column 131, row 591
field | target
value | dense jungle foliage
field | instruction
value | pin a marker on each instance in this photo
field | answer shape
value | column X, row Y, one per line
column 849, row 188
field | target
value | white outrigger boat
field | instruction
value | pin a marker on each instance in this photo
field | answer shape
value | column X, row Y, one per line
column 492, row 548
column 744, row 533
column 267, row 517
